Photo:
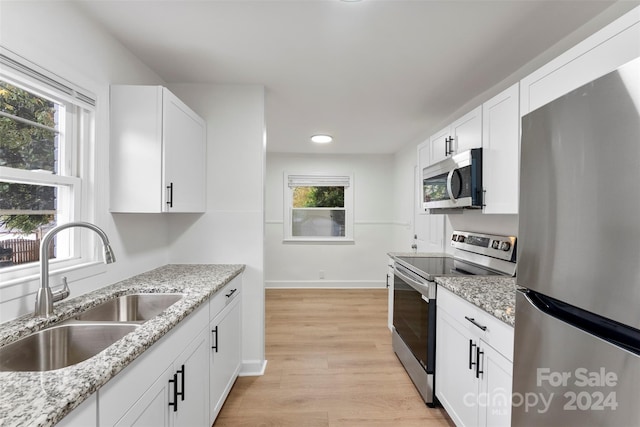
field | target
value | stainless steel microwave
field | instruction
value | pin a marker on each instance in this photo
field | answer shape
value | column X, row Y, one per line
column 455, row 182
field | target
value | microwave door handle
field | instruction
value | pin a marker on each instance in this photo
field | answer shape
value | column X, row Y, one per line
column 449, row 185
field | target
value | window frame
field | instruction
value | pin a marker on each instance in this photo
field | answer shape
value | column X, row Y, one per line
column 76, row 168
column 318, row 180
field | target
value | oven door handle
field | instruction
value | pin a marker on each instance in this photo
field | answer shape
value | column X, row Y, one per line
column 404, row 276
column 413, row 282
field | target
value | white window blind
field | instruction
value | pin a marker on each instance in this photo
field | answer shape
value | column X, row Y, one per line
column 17, row 67
column 318, row 181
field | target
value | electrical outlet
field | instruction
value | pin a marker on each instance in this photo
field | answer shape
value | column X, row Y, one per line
column 321, row 274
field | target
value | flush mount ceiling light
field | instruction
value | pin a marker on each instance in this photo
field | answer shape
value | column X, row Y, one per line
column 322, row 139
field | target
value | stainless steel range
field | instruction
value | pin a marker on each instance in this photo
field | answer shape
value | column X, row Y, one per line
column 414, row 297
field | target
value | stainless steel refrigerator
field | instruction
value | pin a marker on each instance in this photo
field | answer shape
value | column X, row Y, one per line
column 577, row 332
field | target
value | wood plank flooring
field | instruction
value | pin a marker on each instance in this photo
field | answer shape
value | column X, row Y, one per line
column 330, row 363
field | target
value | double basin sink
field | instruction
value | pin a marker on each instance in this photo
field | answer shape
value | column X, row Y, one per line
column 85, row 335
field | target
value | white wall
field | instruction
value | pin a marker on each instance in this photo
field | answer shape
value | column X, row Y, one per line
column 232, row 229
column 359, row 264
column 405, row 161
column 64, row 42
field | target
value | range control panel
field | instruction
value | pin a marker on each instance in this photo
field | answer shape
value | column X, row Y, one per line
column 502, row 247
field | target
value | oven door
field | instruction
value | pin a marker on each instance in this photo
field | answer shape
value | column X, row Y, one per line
column 414, row 315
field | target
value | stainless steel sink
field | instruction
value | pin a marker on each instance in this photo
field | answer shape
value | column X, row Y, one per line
column 130, row 308
column 61, row 346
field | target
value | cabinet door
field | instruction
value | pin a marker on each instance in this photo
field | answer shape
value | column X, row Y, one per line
column 495, row 388
column 184, row 143
column 456, row 383
column 614, row 45
column 439, row 146
column 467, row 131
column 193, row 404
column 152, row 409
column 225, row 355
column 135, row 148
column 501, row 152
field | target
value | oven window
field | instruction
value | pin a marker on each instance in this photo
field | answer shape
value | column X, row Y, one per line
column 414, row 321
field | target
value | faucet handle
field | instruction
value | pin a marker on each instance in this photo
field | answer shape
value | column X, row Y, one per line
column 63, row 293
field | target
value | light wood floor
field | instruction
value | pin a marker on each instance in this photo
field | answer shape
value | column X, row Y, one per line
column 330, row 363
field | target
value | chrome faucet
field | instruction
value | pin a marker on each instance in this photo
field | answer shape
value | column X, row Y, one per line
column 45, row 297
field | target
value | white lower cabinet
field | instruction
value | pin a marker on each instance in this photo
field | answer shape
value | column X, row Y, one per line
column 179, row 397
column 473, row 371
column 189, row 391
column 225, row 346
column 495, row 391
column 170, row 371
column 152, row 408
column 181, row 380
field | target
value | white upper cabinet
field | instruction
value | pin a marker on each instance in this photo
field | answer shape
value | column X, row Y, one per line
column 439, row 146
column 501, row 152
column 461, row 135
column 466, row 132
column 614, row 45
column 157, row 152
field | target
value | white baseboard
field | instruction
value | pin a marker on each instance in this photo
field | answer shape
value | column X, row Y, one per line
column 252, row 368
column 325, row 284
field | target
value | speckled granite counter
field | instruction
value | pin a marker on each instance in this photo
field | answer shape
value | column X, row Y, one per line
column 44, row 398
column 494, row 294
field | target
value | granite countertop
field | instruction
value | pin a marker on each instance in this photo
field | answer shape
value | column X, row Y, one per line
column 44, row 398
column 494, row 294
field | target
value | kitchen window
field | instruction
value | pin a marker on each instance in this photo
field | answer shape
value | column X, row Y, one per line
column 318, row 208
column 46, row 132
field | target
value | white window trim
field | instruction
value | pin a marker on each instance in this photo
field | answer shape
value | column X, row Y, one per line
column 305, row 179
column 85, row 260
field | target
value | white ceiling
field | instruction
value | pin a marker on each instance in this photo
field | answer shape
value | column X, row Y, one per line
column 375, row 74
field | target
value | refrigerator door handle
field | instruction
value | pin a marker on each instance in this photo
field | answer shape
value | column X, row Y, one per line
column 622, row 336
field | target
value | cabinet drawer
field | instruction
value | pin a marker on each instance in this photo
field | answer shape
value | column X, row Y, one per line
column 225, row 296
column 496, row 333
